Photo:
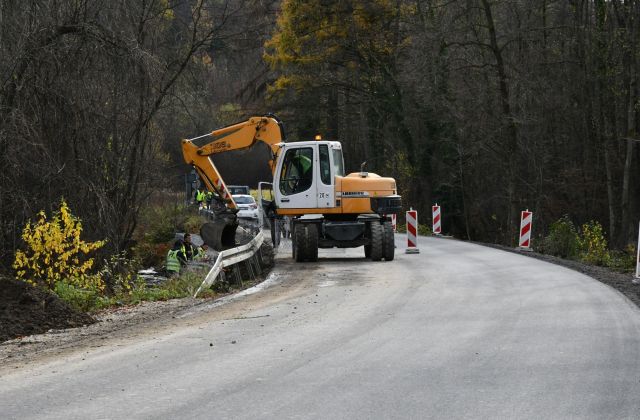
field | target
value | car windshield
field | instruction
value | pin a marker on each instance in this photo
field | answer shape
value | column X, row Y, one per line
column 244, row 200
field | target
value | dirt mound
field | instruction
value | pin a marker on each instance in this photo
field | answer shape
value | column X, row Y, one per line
column 26, row 310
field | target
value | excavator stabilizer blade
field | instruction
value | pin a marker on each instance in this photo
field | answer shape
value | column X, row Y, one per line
column 220, row 234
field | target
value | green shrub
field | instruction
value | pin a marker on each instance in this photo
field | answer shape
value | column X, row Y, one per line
column 563, row 239
column 143, row 294
column 185, row 284
column 593, row 244
column 193, row 223
column 424, row 230
column 120, row 273
column 623, row 261
column 159, row 223
column 80, row 299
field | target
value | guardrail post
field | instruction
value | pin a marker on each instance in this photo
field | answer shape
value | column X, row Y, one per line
column 237, row 274
column 249, row 267
column 256, row 262
column 231, row 258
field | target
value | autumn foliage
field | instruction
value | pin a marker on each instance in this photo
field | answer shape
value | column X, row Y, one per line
column 55, row 252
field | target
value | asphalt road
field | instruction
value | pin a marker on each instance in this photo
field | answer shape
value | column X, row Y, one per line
column 459, row 331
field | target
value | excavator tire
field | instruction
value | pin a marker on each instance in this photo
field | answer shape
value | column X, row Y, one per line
column 312, row 242
column 377, row 241
column 305, row 244
column 293, row 241
column 298, row 244
column 389, row 243
column 275, row 233
column 220, row 234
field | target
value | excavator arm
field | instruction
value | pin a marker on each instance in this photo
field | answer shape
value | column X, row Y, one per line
column 268, row 129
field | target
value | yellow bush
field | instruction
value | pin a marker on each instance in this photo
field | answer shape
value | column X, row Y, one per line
column 593, row 244
column 56, row 253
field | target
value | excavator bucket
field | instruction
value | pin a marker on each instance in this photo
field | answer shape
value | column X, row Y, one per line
column 220, row 234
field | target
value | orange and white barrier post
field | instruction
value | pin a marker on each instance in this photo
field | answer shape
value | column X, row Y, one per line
column 412, row 232
column 526, row 218
column 437, row 222
column 394, row 222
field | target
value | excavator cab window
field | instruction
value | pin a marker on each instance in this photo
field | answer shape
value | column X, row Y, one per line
column 338, row 162
column 297, row 171
column 325, row 165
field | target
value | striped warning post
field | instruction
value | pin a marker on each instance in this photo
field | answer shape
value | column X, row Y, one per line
column 526, row 218
column 437, row 225
column 394, row 222
column 412, row 232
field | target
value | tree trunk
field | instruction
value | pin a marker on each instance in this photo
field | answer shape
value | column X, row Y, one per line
column 511, row 141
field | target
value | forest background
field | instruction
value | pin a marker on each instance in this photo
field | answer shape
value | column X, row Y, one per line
column 487, row 107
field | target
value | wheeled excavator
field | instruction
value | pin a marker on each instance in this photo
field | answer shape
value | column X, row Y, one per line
column 327, row 208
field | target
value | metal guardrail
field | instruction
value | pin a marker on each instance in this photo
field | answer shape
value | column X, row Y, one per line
column 229, row 257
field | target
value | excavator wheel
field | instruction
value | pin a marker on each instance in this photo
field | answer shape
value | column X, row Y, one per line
column 389, row 243
column 293, row 241
column 367, row 251
column 312, row 243
column 305, row 242
column 275, row 231
column 220, row 234
column 377, row 241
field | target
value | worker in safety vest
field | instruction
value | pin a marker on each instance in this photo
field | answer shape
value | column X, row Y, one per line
column 189, row 250
column 175, row 258
column 301, row 169
column 202, row 253
column 201, row 196
column 209, row 199
column 192, row 252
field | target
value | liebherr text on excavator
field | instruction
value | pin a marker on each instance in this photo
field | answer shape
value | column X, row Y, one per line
column 327, row 208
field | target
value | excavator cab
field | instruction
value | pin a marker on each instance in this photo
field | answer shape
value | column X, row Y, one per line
column 305, row 176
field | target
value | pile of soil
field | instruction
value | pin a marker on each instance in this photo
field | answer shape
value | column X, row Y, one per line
column 26, row 310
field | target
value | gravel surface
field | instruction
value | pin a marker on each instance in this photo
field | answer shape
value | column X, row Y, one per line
column 108, row 324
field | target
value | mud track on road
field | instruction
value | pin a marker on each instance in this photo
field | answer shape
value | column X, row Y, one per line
column 117, row 327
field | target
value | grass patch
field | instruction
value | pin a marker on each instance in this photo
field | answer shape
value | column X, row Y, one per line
column 177, row 287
